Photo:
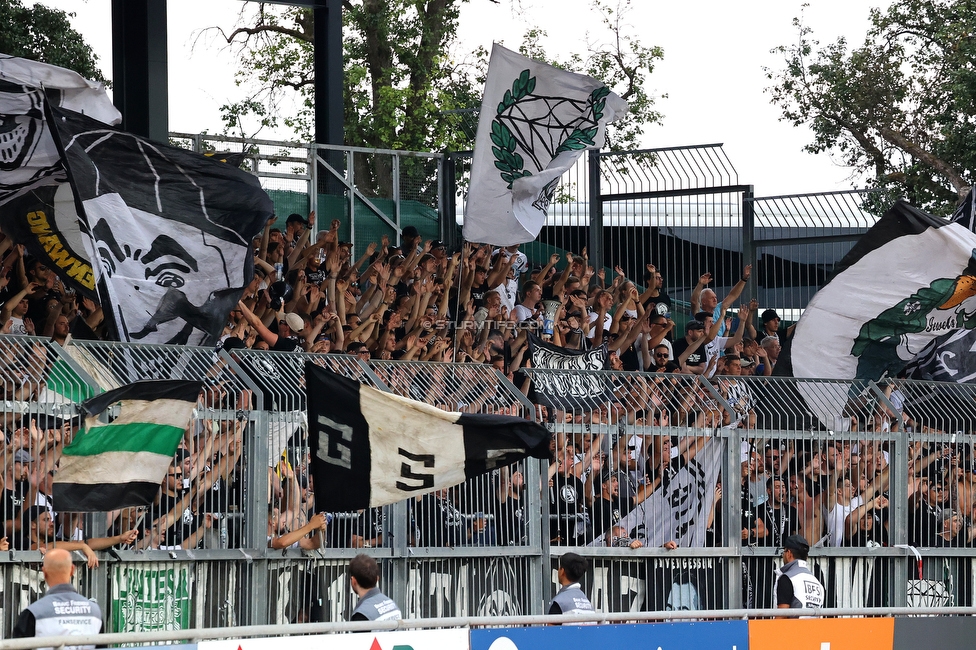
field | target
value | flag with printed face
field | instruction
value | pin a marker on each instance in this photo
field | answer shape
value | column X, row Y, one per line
column 36, row 206
column 169, row 230
column 371, row 448
column 123, row 463
column 535, row 122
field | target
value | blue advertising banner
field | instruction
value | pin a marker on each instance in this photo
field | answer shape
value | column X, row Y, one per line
column 716, row 635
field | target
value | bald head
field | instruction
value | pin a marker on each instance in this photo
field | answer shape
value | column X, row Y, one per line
column 57, row 567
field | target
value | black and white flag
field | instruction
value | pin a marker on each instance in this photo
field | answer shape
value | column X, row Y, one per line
column 170, row 230
column 951, row 356
column 371, row 448
column 679, row 511
column 570, row 386
column 36, row 205
column 535, row 122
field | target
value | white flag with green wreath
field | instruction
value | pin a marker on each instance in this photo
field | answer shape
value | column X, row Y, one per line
column 535, row 122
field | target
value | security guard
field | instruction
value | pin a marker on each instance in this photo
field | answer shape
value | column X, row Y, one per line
column 796, row 586
column 571, row 599
column 373, row 605
column 62, row 610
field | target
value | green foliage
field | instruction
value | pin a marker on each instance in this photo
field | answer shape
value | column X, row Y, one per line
column 45, row 35
column 399, row 76
column 900, row 107
column 406, row 86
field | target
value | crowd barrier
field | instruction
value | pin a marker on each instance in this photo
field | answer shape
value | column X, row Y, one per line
column 630, row 423
column 752, row 633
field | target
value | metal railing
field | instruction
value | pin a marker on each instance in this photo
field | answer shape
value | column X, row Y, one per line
column 637, row 429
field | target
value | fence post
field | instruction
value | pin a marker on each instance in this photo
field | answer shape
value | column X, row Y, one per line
column 255, row 506
column 447, row 200
column 595, row 239
column 749, row 246
column 898, row 499
column 313, row 187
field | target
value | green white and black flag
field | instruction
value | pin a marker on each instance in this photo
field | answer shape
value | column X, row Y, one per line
column 123, row 463
column 951, row 356
column 908, row 281
column 535, row 122
column 371, row 448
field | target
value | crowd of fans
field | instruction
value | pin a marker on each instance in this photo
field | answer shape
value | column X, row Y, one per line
column 420, row 302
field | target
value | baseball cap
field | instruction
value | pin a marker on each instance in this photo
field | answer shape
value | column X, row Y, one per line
column 437, row 243
column 769, row 315
column 21, row 456
column 796, row 543
column 695, row 325
column 295, row 322
column 295, row 217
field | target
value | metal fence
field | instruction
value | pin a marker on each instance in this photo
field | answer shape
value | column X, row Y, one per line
column 683, row 209
column 768, row 456
column 372, row 192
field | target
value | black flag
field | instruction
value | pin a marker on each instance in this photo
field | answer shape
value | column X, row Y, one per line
column 170, row 229
column 371, row 448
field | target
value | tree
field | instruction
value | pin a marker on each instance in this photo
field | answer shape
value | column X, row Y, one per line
column 901, row 107
column 404, row 79
column 44, row 34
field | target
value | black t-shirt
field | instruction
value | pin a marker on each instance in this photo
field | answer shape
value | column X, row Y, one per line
column 510, row 522
column 185, row 524
column 285, row 344
column 478, row 294
column 12, row 502
column 780, row 523
column 660, row 300
column 567, row 502
column 629, row 359
column 606, row 513
column 439, row 522
column 696, row 358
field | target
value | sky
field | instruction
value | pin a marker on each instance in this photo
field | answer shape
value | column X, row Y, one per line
column 712, row 71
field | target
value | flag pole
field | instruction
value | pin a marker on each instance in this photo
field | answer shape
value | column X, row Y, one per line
column 457, row 306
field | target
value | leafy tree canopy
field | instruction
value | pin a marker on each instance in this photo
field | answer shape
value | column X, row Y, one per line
column 44, row 34
column 406, row 82
column 900, row 107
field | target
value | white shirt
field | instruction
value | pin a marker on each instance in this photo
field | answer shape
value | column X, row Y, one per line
column 837, row 520
column 607, row 322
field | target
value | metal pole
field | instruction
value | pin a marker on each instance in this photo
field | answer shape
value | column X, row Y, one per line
column 749, row 245
column 595, row 239
column 327, row 34
column 447, row 200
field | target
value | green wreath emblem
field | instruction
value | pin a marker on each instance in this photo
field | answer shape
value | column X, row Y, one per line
column 507, row 160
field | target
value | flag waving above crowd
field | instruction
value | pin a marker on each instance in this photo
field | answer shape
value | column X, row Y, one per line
column 160, row 235
column 170, row 230
column 910, row 279
column 36, row 206
column 535, row 122
column 371, row 448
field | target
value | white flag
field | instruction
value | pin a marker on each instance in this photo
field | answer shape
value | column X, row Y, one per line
column 28, row 155
column 679, row 511
column 534, row 124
